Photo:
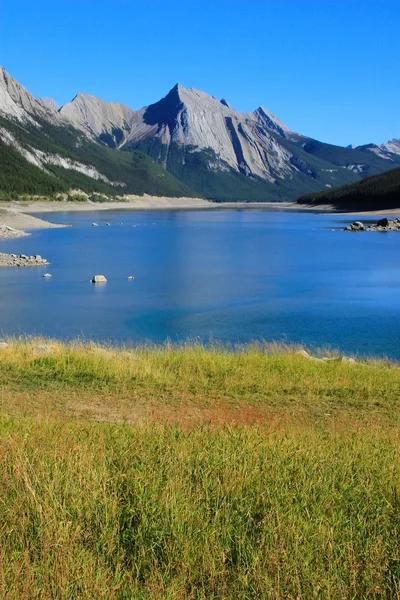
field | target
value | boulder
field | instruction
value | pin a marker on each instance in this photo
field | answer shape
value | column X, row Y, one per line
column 383, row 222
column 357, row 226
column 99, row 279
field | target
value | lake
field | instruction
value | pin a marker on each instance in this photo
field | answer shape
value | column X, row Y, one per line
column 232, row 275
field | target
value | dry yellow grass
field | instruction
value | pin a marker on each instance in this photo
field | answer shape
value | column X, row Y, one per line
column 170, row 473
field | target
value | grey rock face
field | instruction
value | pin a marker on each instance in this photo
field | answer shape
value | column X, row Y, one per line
column 194, row 119
column 50, row 102
column 18, row 103
column 392, row 146
column 109, row 122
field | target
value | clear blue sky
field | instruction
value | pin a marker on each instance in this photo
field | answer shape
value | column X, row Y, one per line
column 327, row 68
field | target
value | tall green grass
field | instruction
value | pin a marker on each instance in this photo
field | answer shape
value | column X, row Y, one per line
column 100, row 511
column 300, row 503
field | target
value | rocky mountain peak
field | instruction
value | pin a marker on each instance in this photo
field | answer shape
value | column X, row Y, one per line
column 392, row 146
column 50, row 102
column 109, row 122
column 18, row 103
column 263, row 116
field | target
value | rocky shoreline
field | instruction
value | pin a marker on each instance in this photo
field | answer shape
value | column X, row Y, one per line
column 21, row 260
column 14, row 222
column 382, row 225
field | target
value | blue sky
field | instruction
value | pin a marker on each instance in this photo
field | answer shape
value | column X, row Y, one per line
column 327, row 68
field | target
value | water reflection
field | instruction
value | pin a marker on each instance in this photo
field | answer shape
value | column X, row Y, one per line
column 235, row 275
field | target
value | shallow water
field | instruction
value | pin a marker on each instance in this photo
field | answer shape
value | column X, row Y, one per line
column 228, row 275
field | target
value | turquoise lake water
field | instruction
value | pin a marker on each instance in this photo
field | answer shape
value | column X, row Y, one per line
column 226, row 275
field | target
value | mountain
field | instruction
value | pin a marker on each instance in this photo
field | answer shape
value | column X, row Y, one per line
column 378, row 192
column 41, row 152
column 393, row 146
column 188, row 143
column 50, row 102
column 222, row 153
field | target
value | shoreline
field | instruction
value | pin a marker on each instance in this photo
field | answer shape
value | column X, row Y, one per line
column 14, row 222
column 147, row 203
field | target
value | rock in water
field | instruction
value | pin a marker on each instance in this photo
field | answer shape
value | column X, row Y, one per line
column 383, row 222
column 357, row 226
column 99, row 279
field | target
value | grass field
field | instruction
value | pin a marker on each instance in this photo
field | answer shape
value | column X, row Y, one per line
column 176, row 473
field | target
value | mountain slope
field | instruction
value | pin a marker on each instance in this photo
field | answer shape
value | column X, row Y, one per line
column 41, row 152
column 373, row 193
column 224, row 154
column 187, row 144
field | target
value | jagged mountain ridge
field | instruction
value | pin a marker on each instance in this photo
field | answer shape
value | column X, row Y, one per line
column 392, row 146
column 51, row 103
column 41, row 152
column 210, row 148
column 189, row 118
column 208, row 144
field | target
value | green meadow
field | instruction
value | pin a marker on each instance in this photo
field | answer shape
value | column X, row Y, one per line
column 194, row 473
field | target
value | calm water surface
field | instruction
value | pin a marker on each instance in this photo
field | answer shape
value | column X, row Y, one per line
column 229, row 275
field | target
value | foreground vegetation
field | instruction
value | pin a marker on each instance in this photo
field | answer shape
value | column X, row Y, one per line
column 193, row 473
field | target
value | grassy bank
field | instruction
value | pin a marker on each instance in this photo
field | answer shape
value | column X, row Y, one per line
column 193, row 473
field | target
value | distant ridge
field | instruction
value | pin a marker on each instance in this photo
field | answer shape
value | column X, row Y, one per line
column 373, row 193
column 188, row 143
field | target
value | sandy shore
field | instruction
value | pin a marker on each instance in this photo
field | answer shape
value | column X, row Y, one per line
column 16, row 217
column 13, row 222
column 388, row 212
column 131, row 203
